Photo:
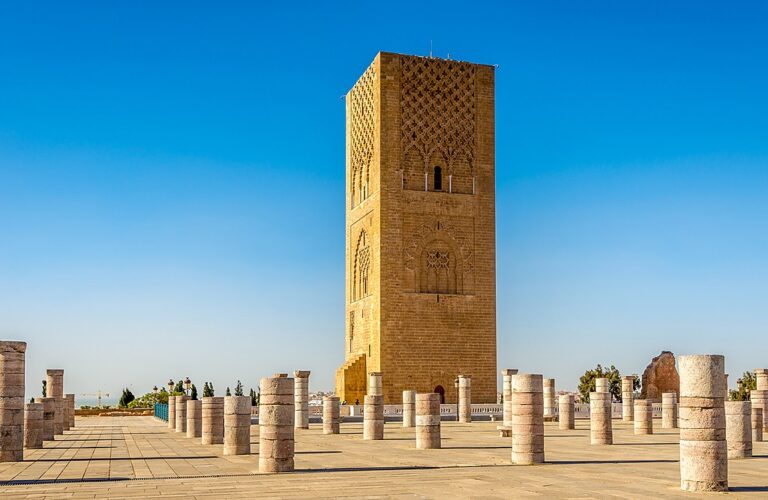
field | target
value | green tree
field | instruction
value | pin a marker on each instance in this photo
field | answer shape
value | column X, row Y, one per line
column 746, row 383
column 31, row 400
column 126, row 398
column 587, row 382
column 179, row 389
column 45, row 388
column 228, row 393
column 255, row 398
column 193, row 392
column 239, row 389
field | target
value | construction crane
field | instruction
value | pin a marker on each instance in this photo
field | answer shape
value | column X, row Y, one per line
column 98, row 395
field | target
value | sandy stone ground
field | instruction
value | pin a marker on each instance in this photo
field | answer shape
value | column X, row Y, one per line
column 121, row 457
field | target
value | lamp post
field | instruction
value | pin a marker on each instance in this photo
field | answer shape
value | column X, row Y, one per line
column 456, row 385
column 170, row 386
column 187, row 385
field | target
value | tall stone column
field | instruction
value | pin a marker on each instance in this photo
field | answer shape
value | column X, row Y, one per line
column 549, row 397
column 759, row 399
column 506, row 393
column 669, row 415
column 171, row 412
column 428, row 421
column 703, row 450
column 756, row 422
column 194, row 418
column 600, row 425
column 643, row 417
column 602, row 385
column 49, row 415
column 409, row 408
column 738, row 429
column 212, row 415
column 301, row 399
column 567, row 412
column 761, row 379
column 12, row 400
column 373, row 409
column 465, row 399
column 527, row 419
column 55, row 389
column 627, row 398
column 181, row 414
column 331, row 415
column 33, row 425
column 725, row 387
column 237, row 423
column 276, row 425
column 70, row 403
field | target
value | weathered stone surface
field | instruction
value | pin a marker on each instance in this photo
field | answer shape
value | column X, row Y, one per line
column 172, row 412
column 602, row 384
column 757, row 424
column 301, row 399
column 237, row 424
column 55, row 390
column 212, row 414
column 566, row 407
column 12, row 398
column 660, row 376
column 33, row 425
column 600, row 425
column 549, row 397
column 194, row 418
column 627, row 398
column 669, row 413
column 276, row 427
column 427, row 421
column 738, row 429
column 465, row 399
column 331, row 414
column 49, row 412
column 409, row 408
column 181, row 414
column 528, row 418
column 506, row 393
column 643, row 419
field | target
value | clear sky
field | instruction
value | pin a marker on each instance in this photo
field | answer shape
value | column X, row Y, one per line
column 172, row 182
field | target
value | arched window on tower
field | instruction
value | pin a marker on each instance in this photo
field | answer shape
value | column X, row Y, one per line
column 438, row 179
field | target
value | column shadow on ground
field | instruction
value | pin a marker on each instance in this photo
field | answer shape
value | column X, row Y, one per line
column 747, row 489
column 107, row 459
column 588, row 462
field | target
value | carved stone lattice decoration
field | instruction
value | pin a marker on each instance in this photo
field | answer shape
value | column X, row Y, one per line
column 439, row 261
column 437, row 103
column 362, row 267
column 362, row 130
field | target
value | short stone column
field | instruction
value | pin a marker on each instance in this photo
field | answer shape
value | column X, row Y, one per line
column 703, row 450
column 49, row 415
column 237, row 423
column 33, row 425
column 212, row 415
column 181, row 414
column 194, row 418
column 373, row 409
column 757, row 424
column 567, row 410
column 761, row 379
column 331, row 415
column 527, row 419
column 301, row 399
column 427, row 421
column 276, row 425
column 738, row 429
column 726, row 395
column 171, row 412
column 759, row 399
column 600, row 425
column 643, row 422
column 409, row 408
column 375, row 384
column 506, row 394
column 465, row 399
column 627, row 398
column 669, row 410
column 70, row 404
column 602, row 385
column 55, row 389
column 549, row 397
column 12, row 400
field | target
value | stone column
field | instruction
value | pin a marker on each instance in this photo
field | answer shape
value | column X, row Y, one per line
column 527, row 419
column 465, row 399
column 600, row 425
column 549, row 397
column 301, row 399
column 55, row 389
column 49, row 415
column 761, row 379
column 428, row 421
column 567, row 412
column 602, row 385
column 759, row 399
column 409, row 408
column 65, row 413
column 643, row 417
column 33, row 425
column 669, row 410
column 237, row 423
column 12, row 400
column 181, row 413
column 738, row 428
column 212, row 415
column 70, row 403
column 331, row 414
column 373, row 409
column 757, row 424
column 703, row 450
column 725, row 387
column 194, row 418
column 506, row 393
column 276, row 425
column 171, row 412
column 627, row 398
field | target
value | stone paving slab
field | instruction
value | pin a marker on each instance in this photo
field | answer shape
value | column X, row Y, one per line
column 138, row 457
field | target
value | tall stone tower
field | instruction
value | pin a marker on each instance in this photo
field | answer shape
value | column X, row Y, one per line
column 420, row 238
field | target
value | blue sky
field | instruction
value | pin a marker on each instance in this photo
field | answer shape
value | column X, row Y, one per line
column 172, row 182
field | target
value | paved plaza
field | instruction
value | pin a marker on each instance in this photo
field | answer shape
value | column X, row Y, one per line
column 140, row 457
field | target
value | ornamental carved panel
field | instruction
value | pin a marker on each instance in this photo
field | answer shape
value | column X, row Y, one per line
column 361, row 134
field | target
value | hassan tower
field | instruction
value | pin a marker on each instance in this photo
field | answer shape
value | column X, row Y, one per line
column 420, row 229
